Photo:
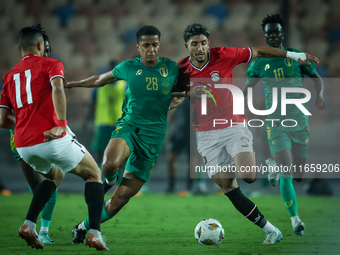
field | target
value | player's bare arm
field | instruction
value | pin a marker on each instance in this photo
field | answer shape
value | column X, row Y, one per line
column 320, row 104
column 7, row 120
column 97, row 80
column 59, row 103
column 176, row 101
column 271, row 52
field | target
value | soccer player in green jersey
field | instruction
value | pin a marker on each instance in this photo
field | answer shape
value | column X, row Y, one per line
column 141, row 130
column 288, row 145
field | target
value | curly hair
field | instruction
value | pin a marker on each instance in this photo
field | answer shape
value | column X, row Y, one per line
column 195, row 29
column 274, row 18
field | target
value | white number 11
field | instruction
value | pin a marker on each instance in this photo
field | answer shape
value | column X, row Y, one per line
column 16, row 78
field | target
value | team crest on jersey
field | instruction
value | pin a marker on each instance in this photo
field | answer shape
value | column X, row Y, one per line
column 215, row 76
column 139, row 72
column 288, row 62
column 163, row 70
column 266, row 67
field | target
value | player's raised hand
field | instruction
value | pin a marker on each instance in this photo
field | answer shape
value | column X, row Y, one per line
column 302, row 57
column 309, row 58
column 320, row 104
column 53, row 133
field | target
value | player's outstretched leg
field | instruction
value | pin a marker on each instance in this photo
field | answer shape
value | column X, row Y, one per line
column 116, row 151
column 129, row 187
column 247, row 207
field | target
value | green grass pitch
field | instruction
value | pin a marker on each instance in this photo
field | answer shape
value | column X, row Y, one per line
column 160, row 224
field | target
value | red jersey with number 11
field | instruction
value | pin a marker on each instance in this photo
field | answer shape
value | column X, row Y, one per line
column 27, row 91
column 218, row 70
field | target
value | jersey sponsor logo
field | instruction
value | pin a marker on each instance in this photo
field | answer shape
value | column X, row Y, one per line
column 288, row 62
column 215, row 76
column 163, row 70
column 139, row 72
column 266, row 67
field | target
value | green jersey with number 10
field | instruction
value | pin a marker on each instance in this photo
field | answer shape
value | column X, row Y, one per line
column 279, row 73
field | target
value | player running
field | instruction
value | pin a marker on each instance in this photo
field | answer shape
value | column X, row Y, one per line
column 224, row 145
column 141, row 130
column 288, row 145
column 33, row 89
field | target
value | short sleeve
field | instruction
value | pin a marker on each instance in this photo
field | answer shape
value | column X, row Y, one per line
column 120, row 71
column 56, row 70
column 235, row 56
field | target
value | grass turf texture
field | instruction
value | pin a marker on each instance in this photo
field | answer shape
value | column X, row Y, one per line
column 159, row 224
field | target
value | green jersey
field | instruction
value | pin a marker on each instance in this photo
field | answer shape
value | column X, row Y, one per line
column 147, row 97
column 282, row 72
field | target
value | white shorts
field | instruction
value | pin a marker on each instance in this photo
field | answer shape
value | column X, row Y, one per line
column 218, row 147
column 65, row 153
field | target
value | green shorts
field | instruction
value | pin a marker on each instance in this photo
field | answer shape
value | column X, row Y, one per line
column 101, row 138
column 296, row 140
column 143, row 156
column 14, row 148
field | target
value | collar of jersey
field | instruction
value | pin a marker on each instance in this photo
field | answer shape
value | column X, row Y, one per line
column 28, row 56
column 200, row 69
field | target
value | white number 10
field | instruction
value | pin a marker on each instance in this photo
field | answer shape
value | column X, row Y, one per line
column 16, row 78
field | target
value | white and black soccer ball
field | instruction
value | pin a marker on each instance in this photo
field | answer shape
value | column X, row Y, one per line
column 209, row 232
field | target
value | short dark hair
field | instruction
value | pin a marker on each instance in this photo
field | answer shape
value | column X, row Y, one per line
column 28, row 37
column 195, row 29
column 40, row 28
column 274, row 18
column 147, row 30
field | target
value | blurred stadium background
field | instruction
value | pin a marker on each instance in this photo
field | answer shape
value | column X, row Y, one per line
column 86, row 34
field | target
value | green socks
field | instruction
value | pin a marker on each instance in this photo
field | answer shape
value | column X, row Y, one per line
column 110, row 178
column 105, row 216
column 288, row 194
column 47, row 212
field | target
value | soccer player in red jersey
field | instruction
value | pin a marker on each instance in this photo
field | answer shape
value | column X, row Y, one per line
column 223, row 138
column 34, row 91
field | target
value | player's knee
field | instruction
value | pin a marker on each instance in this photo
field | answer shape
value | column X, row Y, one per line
column 110, row 167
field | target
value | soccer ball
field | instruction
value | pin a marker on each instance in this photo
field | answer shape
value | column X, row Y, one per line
column 209, row 232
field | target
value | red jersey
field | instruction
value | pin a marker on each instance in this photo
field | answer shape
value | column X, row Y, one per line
column 27, row 91
column 218, row 70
